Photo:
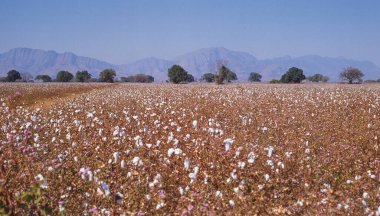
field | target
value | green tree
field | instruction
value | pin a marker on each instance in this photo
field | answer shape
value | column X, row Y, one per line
column 231, row 76
column 64, row 76
column 224, row 73
column 254, row 77
column 82, row 76
column 44, row 78
column 189, row 78
column 293, row 75
column 177, row 74
column 107, row 75
column 208, row 77
column 13, row 75
column 352, row 75
column 318, row 78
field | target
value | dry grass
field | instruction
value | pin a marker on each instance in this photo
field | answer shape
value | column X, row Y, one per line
column 193, row 149
column 33, row 94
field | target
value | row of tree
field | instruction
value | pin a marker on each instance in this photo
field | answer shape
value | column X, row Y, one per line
column 295, row 75
column 177, row 74
column 106, row 75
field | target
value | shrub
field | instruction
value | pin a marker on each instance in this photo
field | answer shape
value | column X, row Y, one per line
column 254, row 77
column 274, row 81
column 44, row 78
column 139, row 78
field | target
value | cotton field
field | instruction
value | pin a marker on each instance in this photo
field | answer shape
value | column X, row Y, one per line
column 162, row 149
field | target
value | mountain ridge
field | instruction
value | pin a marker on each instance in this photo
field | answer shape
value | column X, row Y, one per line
column 198, row 62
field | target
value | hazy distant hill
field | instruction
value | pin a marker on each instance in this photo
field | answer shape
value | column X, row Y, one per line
column 35, row 61
column 153, row 66
column 204, row 60
column 197, row 63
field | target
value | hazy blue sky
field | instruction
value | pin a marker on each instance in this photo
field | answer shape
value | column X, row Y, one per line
column 124, row 31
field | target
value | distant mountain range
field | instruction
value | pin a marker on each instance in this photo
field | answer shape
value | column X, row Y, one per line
column 35, row 62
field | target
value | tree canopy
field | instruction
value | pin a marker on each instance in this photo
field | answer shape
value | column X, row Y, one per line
column 64, row 76
column 352, row 75
column 82, row 76
column 107, row 75
column 189, row 78
column 208, row 77
column 318, row 78
column 177, row 75
column 224, row 73
column 44, row 78
column 254, row 77
column 293, row 75
column 13, row 75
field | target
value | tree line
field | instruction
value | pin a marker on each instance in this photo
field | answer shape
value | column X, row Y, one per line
column 223, row 74
column 178, row 74
column 106, row 75
column 296, row 75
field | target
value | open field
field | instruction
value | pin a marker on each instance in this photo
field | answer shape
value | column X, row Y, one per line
column 189, row 149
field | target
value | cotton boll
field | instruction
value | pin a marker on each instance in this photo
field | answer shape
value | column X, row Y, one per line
column 170, row 151
column 251, row 157
column 227, row 143
column 160, row 205
column 180, row 189
column 365, row 195
column 115, row 156
column 195, row 124
column 241, row 165
column 232, row 203
column 105, row 188
column 186, row 163
column 266, row 176
column 270, row 150
column 137, row 161
column 193, row 175
column 177, row 151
